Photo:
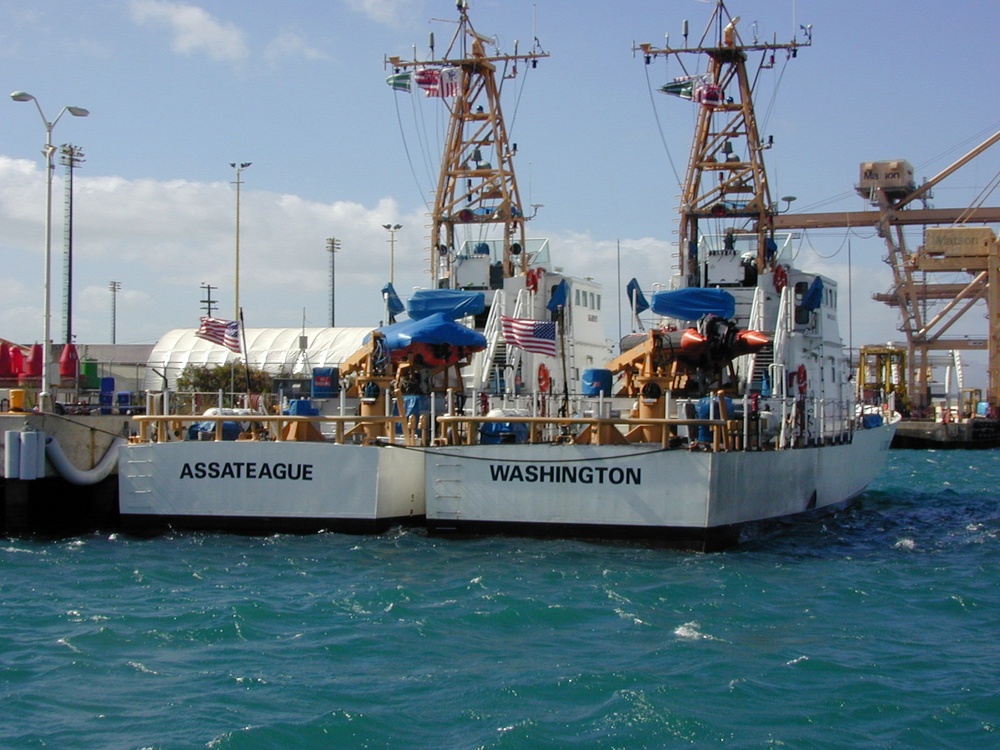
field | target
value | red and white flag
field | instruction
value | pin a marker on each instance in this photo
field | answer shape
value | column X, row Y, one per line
column 439, row 81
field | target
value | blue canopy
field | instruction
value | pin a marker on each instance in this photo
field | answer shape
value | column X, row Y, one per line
column 693, row 303
column 434, row 329
column 453, row 303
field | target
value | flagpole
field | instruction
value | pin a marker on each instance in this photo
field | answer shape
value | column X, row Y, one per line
column 246, row 353
column 560, row 319
column 619, row 288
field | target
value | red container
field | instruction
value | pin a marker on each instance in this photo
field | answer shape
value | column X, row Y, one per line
column 6, row 365
column 69, row 362
column 16, row 360
column 33, row 366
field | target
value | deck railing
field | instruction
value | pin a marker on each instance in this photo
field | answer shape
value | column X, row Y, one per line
column 790, row 425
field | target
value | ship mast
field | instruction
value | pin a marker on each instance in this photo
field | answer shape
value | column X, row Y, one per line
column 477, row 187
column 725, row 178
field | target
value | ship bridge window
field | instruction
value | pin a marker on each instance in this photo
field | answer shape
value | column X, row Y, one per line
column 801, row 313
column 590, row 300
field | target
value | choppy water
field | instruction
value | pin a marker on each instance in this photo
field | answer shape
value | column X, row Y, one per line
column 877, row 627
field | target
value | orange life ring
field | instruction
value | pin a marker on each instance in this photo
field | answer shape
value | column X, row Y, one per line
column 802, row 379
column 532, row 280
column 544, row 379
column 780, row 278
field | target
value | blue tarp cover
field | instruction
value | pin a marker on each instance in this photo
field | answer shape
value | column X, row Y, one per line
column 871, row 421
column 495, row 433
column 454, row 303
column 434, row 329
column 693, row 303
column 230, row 430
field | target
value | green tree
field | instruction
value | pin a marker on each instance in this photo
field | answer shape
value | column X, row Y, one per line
column 213, row 378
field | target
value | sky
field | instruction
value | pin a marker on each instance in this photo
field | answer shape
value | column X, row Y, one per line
column 177, row 91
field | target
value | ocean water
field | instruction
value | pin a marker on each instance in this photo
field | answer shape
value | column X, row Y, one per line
column 877, row 627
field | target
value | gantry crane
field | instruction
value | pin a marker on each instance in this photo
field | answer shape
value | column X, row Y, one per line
column 953, row 240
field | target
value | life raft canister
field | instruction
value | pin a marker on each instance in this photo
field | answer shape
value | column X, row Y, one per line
column 532, row 278
column 780, row 278
column 544, row 379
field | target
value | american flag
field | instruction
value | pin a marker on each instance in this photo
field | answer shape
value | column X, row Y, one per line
column 222, row 332
column 538, row 336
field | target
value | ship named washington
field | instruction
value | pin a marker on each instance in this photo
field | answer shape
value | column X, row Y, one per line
column 558, row 474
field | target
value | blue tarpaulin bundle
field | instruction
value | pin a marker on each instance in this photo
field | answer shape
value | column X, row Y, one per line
column 496, row 433
column 434, row 329
column 230, row 430
column 694, row 303
column 453, row 303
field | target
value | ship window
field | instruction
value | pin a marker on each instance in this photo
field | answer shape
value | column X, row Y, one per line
column 598, row 302
column 577, row 291
column 592, row 307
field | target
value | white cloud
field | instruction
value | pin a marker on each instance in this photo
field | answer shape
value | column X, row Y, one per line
column 381, row 11
column 194, row 30
column 289, row 44
column 162, row 240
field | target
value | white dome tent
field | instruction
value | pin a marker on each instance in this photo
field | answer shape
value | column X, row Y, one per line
column 275, row 350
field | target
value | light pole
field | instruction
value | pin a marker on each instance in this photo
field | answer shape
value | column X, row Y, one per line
column 70, row 157
column 332, row 247
column 114, row 287
column 392, row 229
column 44, row 397
column 239, row 167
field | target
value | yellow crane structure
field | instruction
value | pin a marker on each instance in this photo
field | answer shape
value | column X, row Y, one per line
column 954, row 240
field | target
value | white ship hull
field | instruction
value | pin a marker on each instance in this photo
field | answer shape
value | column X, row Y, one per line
column 269, row 486
column 698, row 499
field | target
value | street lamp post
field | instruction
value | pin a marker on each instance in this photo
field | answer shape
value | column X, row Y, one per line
column 44, row 397
column 332, row 247
column 392, row 229
column 239, row 167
